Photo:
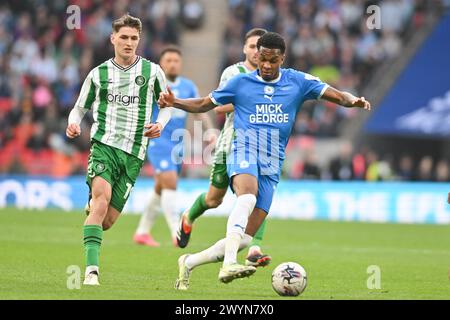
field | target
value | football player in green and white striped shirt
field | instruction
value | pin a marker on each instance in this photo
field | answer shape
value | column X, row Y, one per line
column 219, row 180
column 120, row 92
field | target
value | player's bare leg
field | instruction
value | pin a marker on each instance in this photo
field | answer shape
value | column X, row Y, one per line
column 93, row 228
column 255, row 226
column 111, row 217
column 212, row 199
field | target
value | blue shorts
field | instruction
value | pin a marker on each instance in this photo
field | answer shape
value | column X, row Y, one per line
column 238, row 163
column 164, row 157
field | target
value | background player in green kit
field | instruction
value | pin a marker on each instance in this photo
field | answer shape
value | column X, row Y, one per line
column 120, row 92
column 219, row 180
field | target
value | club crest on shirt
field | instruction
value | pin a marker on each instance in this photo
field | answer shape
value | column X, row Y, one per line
column 268, row 92
column 100, row 167
column 140, row 80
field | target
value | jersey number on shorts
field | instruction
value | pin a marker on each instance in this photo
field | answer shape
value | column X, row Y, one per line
column 127, row 193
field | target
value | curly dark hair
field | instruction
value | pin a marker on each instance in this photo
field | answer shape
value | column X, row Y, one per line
column 272, row 40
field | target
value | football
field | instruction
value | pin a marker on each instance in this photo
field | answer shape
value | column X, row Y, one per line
column 289, row 279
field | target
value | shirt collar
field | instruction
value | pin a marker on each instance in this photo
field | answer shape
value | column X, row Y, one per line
column 127, row 67
column 272, row 81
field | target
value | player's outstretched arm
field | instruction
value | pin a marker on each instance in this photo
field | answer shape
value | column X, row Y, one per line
column 345, row 99
column 195, row 105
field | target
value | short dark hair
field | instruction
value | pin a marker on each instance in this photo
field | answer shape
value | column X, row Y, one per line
column 272, row 40
column 255, row 32
column 168, row 49
column 127, row 21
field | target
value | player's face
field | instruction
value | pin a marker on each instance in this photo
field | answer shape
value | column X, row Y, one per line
column 125, row 42
column 251, row 51
column 170, row 62
column 269, row 63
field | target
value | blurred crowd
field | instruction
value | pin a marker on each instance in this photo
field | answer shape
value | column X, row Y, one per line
column 329, row 39
column 43, row 61
column 362, row 164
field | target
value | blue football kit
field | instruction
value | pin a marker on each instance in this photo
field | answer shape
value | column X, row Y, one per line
column 264, row 114
column 166, row 152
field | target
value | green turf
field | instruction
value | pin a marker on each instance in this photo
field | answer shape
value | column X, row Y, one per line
column 36, row 247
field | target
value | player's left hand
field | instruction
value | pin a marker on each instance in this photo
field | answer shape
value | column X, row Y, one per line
column 448, row 199
column 361, row 103
column 153, row 130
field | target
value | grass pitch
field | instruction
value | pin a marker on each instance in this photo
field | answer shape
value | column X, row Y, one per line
column 37, row 247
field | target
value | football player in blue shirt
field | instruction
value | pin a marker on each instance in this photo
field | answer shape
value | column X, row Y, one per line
column 265, row 104
column 166, row 152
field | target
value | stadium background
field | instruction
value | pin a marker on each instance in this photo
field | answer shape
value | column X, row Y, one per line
column 341, row 164
column 43, row 64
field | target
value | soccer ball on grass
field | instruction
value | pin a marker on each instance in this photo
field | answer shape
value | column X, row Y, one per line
column 289, row 279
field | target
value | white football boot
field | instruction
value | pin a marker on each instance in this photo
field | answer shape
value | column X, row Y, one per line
column 91, row 276
column 234, row 271
column 184, row 273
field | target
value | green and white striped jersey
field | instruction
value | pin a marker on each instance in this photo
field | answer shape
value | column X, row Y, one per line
column 121, row 101
column 226, row 136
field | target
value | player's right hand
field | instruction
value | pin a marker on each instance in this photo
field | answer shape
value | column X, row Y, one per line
column 448, row 199
column 73, row 130
column 166, row 99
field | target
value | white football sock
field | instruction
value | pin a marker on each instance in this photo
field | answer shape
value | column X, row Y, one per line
column 246, row 239
column 237, row 222
column 231, row 247
column 214, row 253
column 149, row 215
column 168, row 206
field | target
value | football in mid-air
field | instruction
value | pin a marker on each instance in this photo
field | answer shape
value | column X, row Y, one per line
column 289, row 279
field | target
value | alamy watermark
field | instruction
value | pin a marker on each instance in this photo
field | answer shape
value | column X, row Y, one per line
column 73, row 20
column 73, row 277
column 374, row 279
column 373, row 21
